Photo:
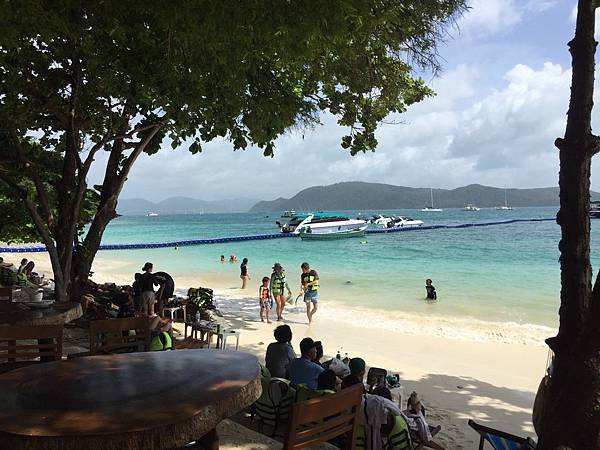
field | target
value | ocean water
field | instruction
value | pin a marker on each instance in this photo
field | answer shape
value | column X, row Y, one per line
column 504, row 274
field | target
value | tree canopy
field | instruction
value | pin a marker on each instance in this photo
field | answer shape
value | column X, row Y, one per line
column 80, row 78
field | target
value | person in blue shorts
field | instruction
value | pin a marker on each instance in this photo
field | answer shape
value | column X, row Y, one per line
column 309, row 281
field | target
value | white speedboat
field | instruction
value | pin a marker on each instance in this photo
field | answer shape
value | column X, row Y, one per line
column 326, row 233
column 320, row 222
column 395, row 221
column 152, row 214
column 288, row 213
column 431, row 208
column 471, row 207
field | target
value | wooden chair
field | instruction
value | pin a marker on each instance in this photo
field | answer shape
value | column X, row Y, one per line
column 125, row 335
column 6, row 294
column 25, row 345
column 322, row 419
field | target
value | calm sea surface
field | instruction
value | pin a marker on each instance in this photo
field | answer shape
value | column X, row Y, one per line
column 504, row 273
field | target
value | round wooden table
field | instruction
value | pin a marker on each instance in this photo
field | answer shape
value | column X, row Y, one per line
column 151, row 400
column 15, row 314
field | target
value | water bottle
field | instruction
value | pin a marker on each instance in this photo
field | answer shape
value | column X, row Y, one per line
column 346, row 360
column 338, row 356
column 197, row 316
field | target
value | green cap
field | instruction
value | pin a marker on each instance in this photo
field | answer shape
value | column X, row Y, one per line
column 357, row 365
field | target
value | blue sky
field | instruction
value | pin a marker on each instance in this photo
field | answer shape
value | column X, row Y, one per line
column 501, row 101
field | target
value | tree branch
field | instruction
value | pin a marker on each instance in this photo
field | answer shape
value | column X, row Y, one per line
column 34, row 173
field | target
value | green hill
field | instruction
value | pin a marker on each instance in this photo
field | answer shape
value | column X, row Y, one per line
column 359, row 195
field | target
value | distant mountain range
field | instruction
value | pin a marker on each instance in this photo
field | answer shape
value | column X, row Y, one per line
column 183, row 205
column 359, row 195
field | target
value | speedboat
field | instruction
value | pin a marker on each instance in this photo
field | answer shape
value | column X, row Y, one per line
column 471, row 207
column 152, row 214
column 288, row 213
column 595, row 210
column 320, row 221
column 395, row 221
column 322, row 232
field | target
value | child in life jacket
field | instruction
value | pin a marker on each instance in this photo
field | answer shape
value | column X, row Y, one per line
column 265, row 300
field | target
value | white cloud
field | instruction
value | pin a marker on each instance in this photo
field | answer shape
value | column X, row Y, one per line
column 490, row 16
column 501, row 136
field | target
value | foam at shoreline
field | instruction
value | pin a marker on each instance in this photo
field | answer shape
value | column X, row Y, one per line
column 465, row 329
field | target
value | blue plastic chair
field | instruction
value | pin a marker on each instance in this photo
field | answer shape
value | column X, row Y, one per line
column 500, row 440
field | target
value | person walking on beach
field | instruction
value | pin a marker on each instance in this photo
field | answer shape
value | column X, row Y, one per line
column 146, row 282
column 309, row 284
column 244, row 272
column 277, row 286
column 265, row 300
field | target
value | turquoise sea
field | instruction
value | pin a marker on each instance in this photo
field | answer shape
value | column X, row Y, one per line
column 501, row 274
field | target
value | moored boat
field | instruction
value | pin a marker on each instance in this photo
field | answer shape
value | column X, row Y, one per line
column 395, row 221
column 595, row 210
column 431, row 208
column 319, row 220
column 288, row 213
column 324, row 233
column 471, row 207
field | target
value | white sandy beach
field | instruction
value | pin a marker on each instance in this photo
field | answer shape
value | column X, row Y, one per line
column 484, row 376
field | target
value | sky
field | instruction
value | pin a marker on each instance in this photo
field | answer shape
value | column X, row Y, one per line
column 501, row 101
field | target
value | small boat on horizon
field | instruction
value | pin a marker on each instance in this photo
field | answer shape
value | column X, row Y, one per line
column 289, row 213
column 595, row 210
column 504, row 207
column 471, row 207
column 151, row 214
column 431, row 209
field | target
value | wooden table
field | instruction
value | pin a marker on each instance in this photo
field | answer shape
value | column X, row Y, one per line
column 12, row 314
column 135, row 401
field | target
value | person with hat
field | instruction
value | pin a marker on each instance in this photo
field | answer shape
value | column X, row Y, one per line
column 303, row 370
column 357, row 368
column 276, row 288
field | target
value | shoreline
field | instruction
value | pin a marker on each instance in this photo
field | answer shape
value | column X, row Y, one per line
column 432, row 324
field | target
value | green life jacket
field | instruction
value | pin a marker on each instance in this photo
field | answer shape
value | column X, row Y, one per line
column 398, row 439
column 279, row 284
column 161, row 342
column 308, row 278
column 274, row 404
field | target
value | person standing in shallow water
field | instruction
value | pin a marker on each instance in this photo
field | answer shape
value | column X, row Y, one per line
column 431, row 294
column 309, row 281
column 244, row 272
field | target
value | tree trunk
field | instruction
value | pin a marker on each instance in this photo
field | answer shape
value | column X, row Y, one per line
column 571, row 417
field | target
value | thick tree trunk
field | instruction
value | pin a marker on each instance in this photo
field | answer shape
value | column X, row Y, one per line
column 571, row 417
